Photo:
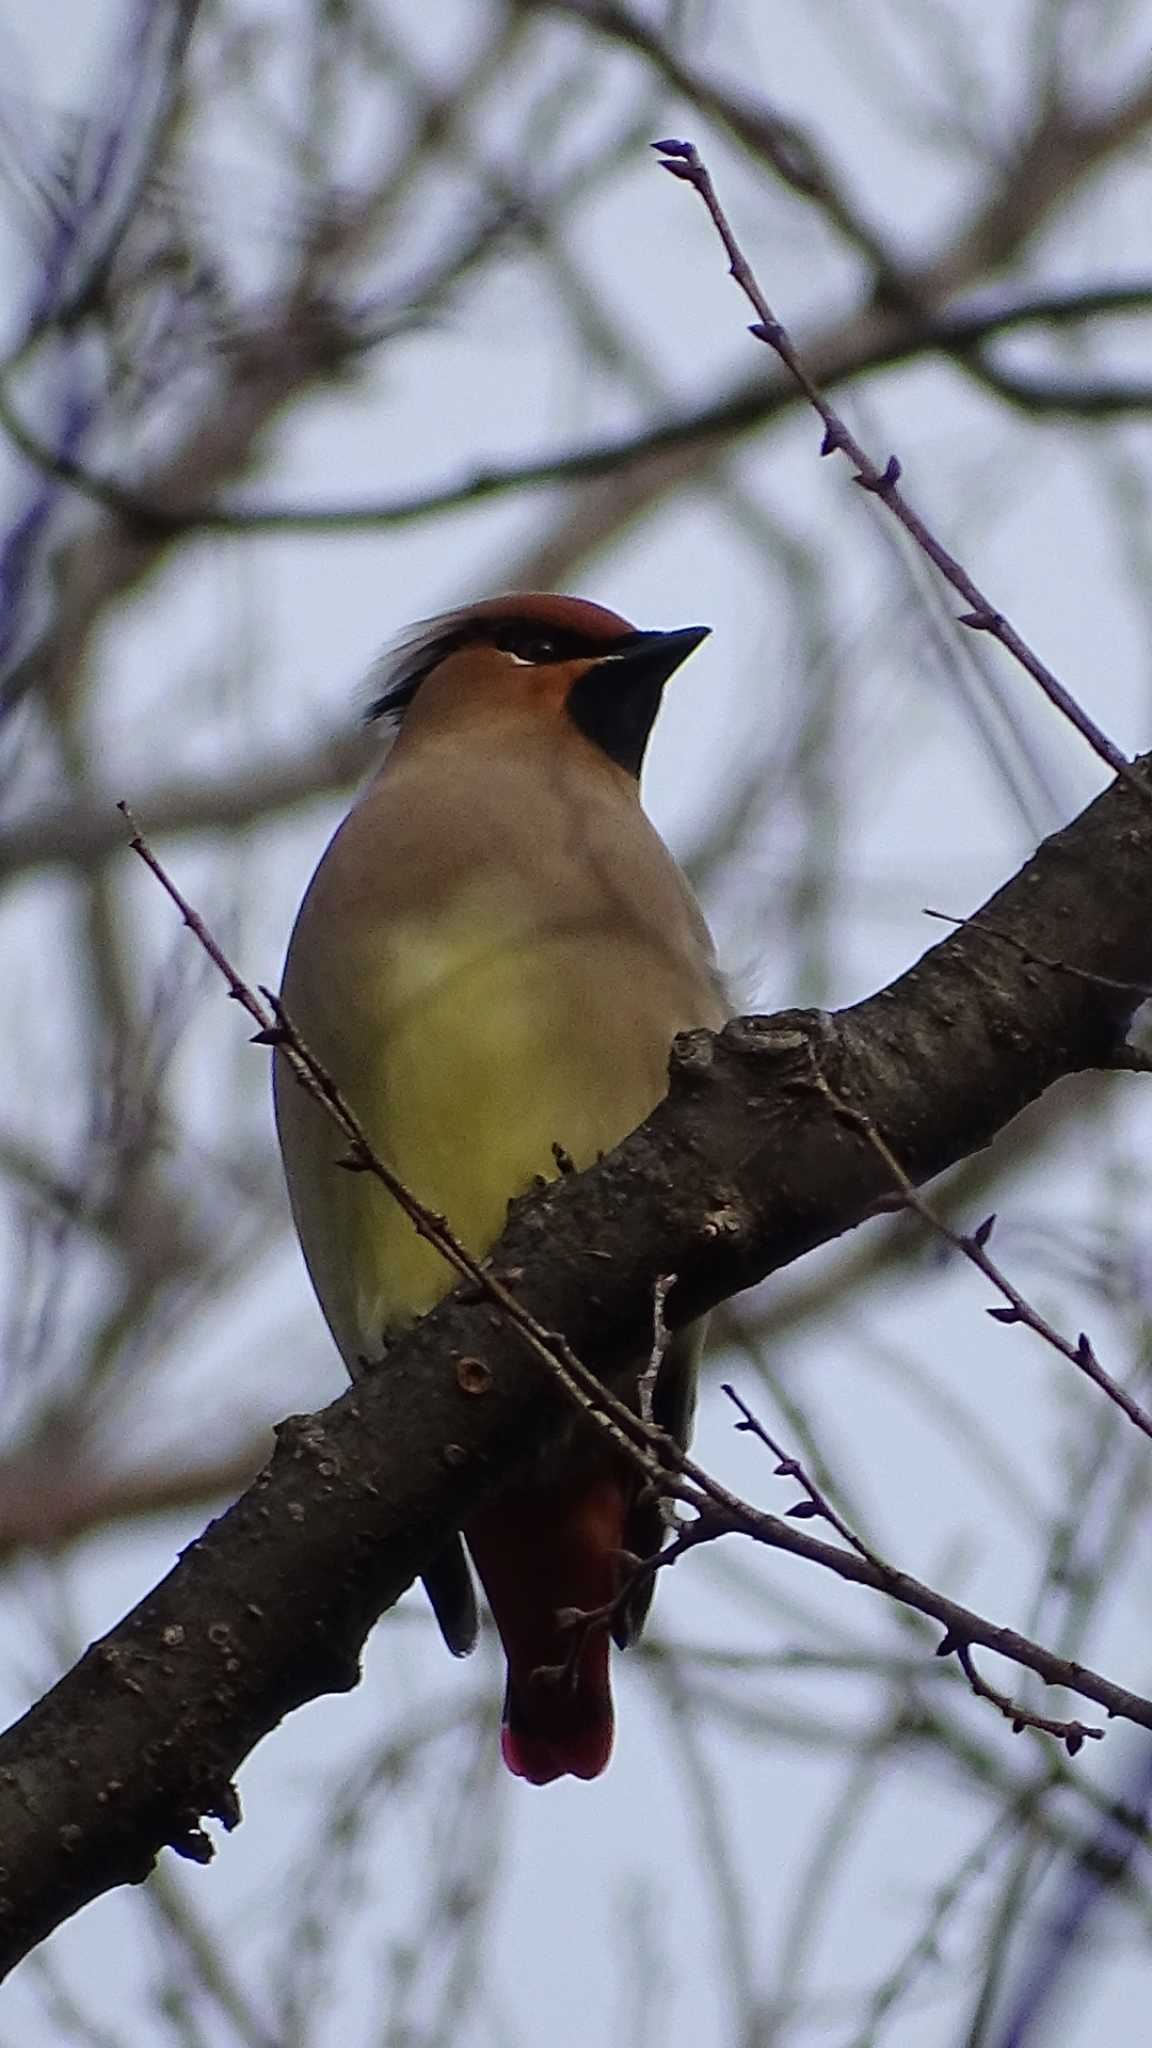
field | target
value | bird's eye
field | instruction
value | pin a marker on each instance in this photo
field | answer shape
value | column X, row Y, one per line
column 531, row 647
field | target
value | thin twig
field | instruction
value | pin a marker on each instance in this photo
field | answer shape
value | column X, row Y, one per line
column 997, row 931
column 973, row 1246
column 683, row 160
column 646, row 1391
column 583, row 1622
column 725, row 1513
column 1071, row 1733
column 661, row 1338
column 815, row 1502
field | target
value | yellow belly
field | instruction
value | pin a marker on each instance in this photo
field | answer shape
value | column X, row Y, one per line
column 481, row 1077
column 469, row 1058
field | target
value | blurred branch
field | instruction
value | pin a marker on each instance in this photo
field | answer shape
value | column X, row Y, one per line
column 76, row 834
column 155, row 514
column 1051, row 163
column 45, row 1504
column 1095, row 1869
column 146, row 79
column 716, row 1850
column 770, row 136
column 301, row 341
column 206, row 1963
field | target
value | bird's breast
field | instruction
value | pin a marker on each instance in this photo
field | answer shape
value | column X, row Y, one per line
column 474, row 1039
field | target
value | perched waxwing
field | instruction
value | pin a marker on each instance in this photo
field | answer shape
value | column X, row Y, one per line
column 492, row 960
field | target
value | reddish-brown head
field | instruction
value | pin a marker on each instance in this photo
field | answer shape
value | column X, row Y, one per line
column 535, row 656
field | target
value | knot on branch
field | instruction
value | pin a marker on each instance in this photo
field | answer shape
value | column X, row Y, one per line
column 786, row 1042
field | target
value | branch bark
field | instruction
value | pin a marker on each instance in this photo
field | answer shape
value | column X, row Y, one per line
column 742, row 1168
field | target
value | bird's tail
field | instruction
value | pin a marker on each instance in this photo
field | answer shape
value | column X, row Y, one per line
column 538, row 1553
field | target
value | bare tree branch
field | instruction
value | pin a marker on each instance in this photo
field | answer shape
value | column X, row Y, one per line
column 271, row 1606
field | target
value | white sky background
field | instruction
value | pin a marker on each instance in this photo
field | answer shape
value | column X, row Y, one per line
column 593, row 1873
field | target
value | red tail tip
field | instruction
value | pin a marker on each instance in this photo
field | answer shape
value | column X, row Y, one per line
column 578, row 1753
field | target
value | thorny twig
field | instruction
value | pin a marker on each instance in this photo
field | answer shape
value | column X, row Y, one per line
column 683, row 160
column 815, row 1502
column 997, row 931
column 1071, row 1733
column 973, row 1246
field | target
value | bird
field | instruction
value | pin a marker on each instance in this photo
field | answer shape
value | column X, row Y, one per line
column 492, row 960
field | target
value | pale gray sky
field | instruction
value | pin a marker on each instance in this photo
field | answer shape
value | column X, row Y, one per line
column 592, row 1871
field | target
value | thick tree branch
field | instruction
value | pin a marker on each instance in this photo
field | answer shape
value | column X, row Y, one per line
column 742, row 1168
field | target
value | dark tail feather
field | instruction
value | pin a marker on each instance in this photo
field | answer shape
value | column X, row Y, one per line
column 538, row 1553
column 448, row 1584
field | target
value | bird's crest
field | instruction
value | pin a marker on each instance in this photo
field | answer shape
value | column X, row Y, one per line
column 535, row 626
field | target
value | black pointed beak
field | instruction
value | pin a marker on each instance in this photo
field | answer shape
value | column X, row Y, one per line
column 650, row 658
column 615, row 701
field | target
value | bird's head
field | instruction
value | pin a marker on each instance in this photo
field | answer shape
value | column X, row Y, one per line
column 534, row 657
